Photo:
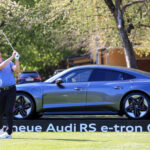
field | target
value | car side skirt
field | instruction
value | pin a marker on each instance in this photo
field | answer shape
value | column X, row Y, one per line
column 82, row 113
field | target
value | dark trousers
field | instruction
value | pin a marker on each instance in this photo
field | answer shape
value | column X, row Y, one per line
column 7, row 100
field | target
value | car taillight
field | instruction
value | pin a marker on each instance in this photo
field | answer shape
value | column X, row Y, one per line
column 18, row 79
column 38, row 78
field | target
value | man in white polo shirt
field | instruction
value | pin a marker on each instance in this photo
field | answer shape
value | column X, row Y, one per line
column 7, row 91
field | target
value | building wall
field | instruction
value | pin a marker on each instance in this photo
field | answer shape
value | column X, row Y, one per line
column 113, row 57
column 116, row 57
column 144, row 64
column 77, row 61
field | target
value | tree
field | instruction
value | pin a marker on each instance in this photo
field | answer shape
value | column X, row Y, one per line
column 27, row 3
column 118, row 10
column 47, row 32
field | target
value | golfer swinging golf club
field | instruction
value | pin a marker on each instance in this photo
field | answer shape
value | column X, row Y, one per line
column 7, row 91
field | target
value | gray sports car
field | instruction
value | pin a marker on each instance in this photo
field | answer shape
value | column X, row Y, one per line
column 89, row 90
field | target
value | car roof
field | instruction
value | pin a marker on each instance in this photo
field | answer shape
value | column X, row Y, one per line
column 118, row 68
column 135, row 72
column 29, row 72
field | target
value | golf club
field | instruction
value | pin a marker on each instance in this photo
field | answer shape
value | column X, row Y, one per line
column 17, row 55
column 7, row 39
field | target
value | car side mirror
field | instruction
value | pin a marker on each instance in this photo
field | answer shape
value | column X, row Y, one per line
column 59, row 81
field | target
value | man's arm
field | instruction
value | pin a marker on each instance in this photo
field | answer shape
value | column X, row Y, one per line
column 16, row 67
column 6, row 62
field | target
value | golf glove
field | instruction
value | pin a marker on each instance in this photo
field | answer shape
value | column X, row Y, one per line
column 17, row 56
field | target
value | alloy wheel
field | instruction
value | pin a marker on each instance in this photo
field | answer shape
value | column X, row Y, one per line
column 136, row 106
column 22, row 107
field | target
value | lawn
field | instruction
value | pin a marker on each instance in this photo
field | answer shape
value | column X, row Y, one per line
column 77, row 141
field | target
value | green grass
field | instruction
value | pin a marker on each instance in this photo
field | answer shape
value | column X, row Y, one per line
column 77, row 141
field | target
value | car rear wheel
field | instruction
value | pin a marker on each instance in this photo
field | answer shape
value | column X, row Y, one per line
column 136, row 105
column 24, row 106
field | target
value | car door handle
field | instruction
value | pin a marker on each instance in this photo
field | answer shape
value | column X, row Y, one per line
column 77, row 88
column 118, row 87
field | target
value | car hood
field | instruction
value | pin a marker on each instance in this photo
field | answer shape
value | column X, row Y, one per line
column 31, row 85
column 34, row 89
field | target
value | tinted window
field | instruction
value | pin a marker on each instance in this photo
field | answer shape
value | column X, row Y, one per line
column 29, row 74
column 127, row 76
column 109, row 75
column 77, row 76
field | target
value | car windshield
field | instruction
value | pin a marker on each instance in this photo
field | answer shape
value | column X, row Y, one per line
column 56, row 76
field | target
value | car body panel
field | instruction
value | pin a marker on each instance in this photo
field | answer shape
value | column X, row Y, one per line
column 104, row 95
column 69, row 95
column 142, row 85
column 35, row 91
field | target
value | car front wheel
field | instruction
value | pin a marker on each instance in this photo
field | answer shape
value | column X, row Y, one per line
column 24, row 106
column 136, row 105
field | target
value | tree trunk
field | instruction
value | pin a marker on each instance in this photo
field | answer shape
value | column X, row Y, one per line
column 127, row 45
column 128, row 48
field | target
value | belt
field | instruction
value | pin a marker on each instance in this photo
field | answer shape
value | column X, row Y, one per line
column 7, row 88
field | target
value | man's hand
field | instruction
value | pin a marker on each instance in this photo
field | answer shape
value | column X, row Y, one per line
column 16, row 67
column 14, row 53
column 17, row 56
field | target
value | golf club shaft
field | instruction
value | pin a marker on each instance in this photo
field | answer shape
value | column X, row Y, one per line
column 7, row 39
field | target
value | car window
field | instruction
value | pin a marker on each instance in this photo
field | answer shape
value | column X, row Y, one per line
column 77, row 76
column 109, row 75
column 29, row 75
column 128, row 76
